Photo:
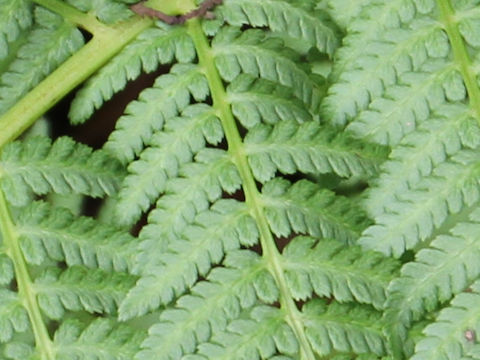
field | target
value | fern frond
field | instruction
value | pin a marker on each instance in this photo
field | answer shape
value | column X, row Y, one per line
column 223, row 228
column 102, row 339
column 328, row 268
column 440, row 271
column 181, row 138
column 407, row 105
column 445, row 337
column 204, row 294
column 253, row 53
column 297, row 19
column 309, row 148
column 366, row 73
column 18, row 350
column 209, row 307
column 417, row 98
column 51, row 41
column 259, row 334
column 343, row 328
column 258, row 100
column 56, row 234
column 413, row 216
column 152, row 47
column 16, row 16
column 39, row 166
column 106, row 11
column 13, row 317
column 468, row 21
column 79, row 288
column 199, row 184
column 344, row 12
column 420, row 152
column 305, row 208
column 6, row 268
column 169, row 96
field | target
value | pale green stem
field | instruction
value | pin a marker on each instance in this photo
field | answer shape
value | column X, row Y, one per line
column 252, row 196
column 26, row 293
column 460, row 54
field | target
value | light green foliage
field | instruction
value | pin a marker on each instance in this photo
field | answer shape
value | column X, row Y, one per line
column 38, row 166
column 256, row 100
column 153, row 46
column 144, row 116
column 296, row 18
column 210, row 306
column 101, row 339
column 407, row 77
column 16, row 16
column 343, row 12
column 299, row 181
column 58, row 235
column 79, row 288
column 294, row 209
column 106, row 11
column 357, row 276
column 439, row 272
column 214, row 299
column 50, row 41
column 182, row 137
column 259, row 334
column 252, row 52
column 13, row 317
column 54, row 264
column 343, row 328
column 290, row 147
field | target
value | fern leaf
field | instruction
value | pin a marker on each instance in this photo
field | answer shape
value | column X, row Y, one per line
column 102, row 340
column 169, row 95
column 289, row 147
column 16, row 16
column 440, row 271
column 153, row 46
column 56, row 234
column 367, row 73
column 304, row 208
column 224, row 227
column 258, row 100
column 420, row 152
column 181, row 138
column 251, row 52
column 212, row 282
column 261, row 335
column 403, row 107
column 50, row 43
column 79, row 288
column 208, row 308
column 38, row 166
column 344, row 12
column 13, row 317
column 6, row 268
column 414, row 215
column 328, row 268
column 199, row 184
column 17, row 350
column 445, row 338
column 298, row 19
column 344, row 328
column 106, row 11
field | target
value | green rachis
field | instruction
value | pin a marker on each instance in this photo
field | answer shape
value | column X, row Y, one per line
column 300, row 180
